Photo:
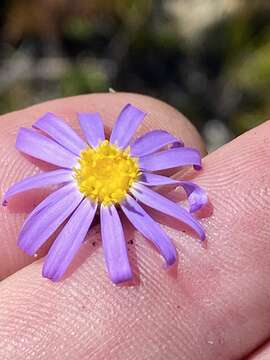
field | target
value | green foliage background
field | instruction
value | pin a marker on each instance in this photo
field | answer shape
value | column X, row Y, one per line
column 209, row 59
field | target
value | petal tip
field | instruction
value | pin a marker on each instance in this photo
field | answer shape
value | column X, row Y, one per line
column 42, row 118
column 19, row 137
column 198, row 167
column 5, row 200
column 84, row 113
column 194, row 208
column 203, row 236
column 22, row 130
column 47, row 275
column 121, row 277
column 50, row 273
column 197, row 206
column 25, row 247
column 131, row 106
column 171, row 261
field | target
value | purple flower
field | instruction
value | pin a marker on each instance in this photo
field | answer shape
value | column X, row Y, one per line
column 109, row 175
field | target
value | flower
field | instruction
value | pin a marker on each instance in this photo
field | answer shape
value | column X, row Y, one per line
column 105, row 175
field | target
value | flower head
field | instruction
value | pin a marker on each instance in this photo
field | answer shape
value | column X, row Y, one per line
column 109, row 175
column 105, row 174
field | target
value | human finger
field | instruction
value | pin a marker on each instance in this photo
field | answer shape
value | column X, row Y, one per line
column 215, row 306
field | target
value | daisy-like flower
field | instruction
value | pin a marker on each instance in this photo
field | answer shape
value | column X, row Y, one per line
column 100, row 176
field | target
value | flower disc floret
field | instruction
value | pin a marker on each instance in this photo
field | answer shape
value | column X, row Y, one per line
column 106, row 173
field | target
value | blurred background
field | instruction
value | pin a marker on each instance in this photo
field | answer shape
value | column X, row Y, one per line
column 208, row 58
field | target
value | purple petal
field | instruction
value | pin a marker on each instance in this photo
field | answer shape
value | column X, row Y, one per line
column 43, row 148
column 150, row 179
column 92, row 127
column 114, row 245
column 62, row 133
column 149, row 228
column 171, row 158
column 197, row 197
column 32, row 182
column 47, row 217
column 126, row 125
column 68, row 241
column 166, row 206
column 153, row 141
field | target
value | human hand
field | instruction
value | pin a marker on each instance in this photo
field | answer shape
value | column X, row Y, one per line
column 216, row 306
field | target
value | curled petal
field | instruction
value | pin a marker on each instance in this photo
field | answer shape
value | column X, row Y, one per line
column 61, row 132
column 149, row 228
column 150, row 179
column 166, row 206
column 170, row 159
column 32, row 182
column 114, row 245
column 197, row 197
column 47, row 217
column 43, row 148
column 68, row 241
column 92, row 126
column 126, row 125
column 153, row 141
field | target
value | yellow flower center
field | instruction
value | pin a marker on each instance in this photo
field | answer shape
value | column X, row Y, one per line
column 106, row 173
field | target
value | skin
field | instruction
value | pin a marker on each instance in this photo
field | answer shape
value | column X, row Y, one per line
column 213, row 305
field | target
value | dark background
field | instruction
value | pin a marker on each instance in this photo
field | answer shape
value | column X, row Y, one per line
column 208, row 58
